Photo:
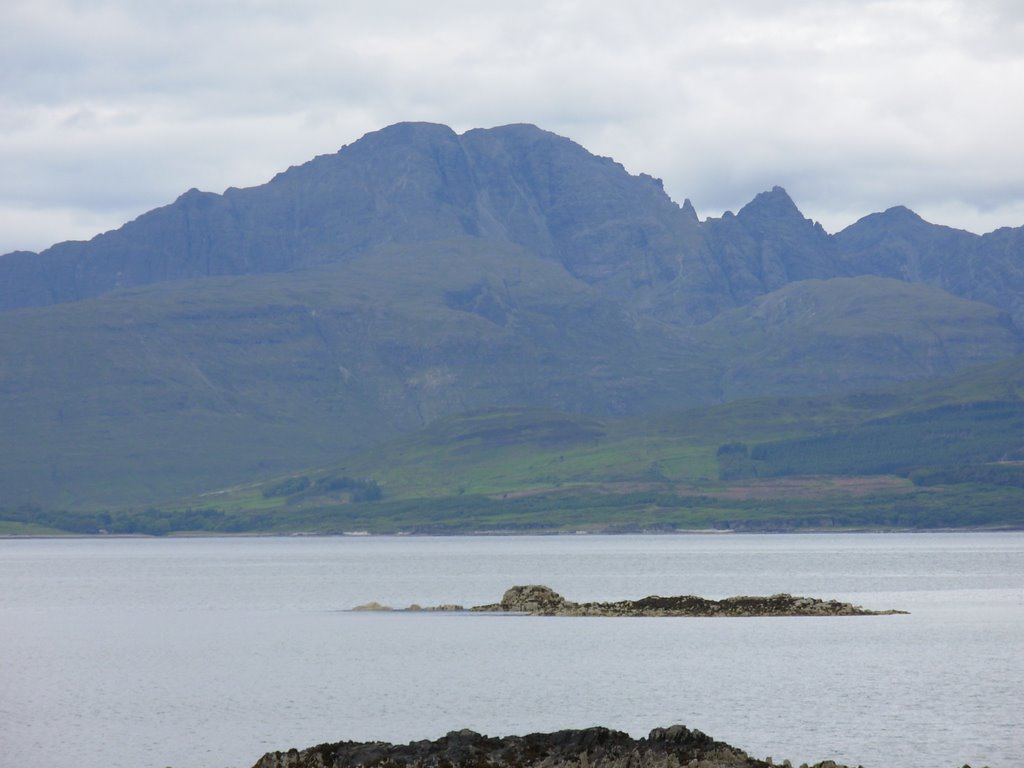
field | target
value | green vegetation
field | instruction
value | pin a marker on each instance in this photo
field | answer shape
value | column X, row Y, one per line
column 664, row 510
column 1001, row 474
column 499, row 329
column 971, row 433
column 820, row 335
column 142, row 396
column 148, row 394
column 295, row 489
column 14, row 528
column 860, row 461
column 152, row 521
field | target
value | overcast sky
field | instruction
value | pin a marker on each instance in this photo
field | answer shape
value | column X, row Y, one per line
column 109, row 108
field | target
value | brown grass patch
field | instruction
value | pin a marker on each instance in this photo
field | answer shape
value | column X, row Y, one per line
column 812, row 487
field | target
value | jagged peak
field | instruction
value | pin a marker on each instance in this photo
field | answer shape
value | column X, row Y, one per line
column 897, row 214
column 514, row 129
column 901, row 212
column 523, row 134
column 405, row 134
column 412, row 129
column 193, row 194
column 775, row 202
column 689, row 210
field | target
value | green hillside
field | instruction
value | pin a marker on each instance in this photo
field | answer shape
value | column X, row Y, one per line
column 814, row 335
column 544, row 469
column 152, row 393
column 866, row 460
column 143, row 395
column 954, row 435
column 487, row 316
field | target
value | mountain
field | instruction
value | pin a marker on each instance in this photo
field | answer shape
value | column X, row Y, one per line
column 853, row 333
column 413, row 183
column 407, row 184
column 190, row 384
column 417, row 274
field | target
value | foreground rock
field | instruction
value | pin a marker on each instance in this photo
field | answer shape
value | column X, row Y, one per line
column 539, row 600
column 675, row 747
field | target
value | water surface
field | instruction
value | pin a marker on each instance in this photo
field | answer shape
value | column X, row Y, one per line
column 208, row 652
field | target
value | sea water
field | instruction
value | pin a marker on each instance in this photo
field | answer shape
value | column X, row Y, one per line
column 205, row 653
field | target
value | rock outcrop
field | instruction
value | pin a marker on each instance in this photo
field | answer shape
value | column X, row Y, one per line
column 539, row 600
column 534, row 599
column 673, row 747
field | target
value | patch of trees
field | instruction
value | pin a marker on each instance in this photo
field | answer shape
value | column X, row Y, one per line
column 734, row 462
column 295, row 488
column 149, row 522
column 988, row 474
column 361, row 489
column 287, row 487
column 976, row 433
column 961, row 505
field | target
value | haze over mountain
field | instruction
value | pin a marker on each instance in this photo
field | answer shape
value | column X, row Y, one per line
column 418, row 273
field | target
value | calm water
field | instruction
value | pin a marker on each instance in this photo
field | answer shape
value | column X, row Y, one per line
column 204, row 653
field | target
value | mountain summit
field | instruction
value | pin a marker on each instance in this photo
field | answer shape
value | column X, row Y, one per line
column 409, row 183
column 419, row 273
column 420, row 182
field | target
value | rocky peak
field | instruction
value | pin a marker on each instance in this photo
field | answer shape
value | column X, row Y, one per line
column 898, row 219
column 407, row 134
column 514, row 133
column 533, row 598
column 774, row 204
column 902, row 214
column 767, row 244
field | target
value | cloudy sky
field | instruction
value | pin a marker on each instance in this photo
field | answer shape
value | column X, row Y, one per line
column 109, row 108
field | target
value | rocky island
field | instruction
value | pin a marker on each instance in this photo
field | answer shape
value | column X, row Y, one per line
column 673, row 747
column 539, row 600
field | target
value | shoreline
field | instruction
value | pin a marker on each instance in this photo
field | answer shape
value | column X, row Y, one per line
column 501, row 534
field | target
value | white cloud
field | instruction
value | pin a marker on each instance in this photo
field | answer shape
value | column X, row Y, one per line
column 111, row 107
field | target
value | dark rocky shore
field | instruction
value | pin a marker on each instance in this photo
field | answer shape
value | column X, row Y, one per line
column 675, row 747
column 538, row 600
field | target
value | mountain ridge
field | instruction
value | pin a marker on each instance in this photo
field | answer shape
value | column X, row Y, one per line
column 418, row 273
column 414, row 182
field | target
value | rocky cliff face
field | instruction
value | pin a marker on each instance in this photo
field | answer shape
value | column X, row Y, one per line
column 673, row 747
column 518, row 184
column 409, row 183
column 898, row 243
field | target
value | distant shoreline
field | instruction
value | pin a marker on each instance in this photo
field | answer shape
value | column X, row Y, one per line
column 503, row 534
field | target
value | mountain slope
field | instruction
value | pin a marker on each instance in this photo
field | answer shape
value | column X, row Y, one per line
column 140, row 393
column 149, row 393
column 405, row 184
column 774, row 463
column 898, row 243
column 854, row 333
column 419, row 274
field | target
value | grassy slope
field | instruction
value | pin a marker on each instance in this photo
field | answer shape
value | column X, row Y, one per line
column 141, row 396
column 533, row 469
column 10, row 528
column 163, row 391
column 814, row 335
